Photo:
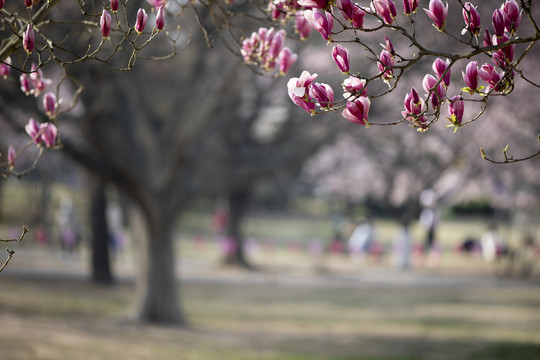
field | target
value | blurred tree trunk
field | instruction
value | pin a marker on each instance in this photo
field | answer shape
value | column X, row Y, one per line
column 239, row 200
column 101, row 265
column 156, row 299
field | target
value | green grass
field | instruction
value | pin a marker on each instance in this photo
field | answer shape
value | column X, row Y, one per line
column 76, row 320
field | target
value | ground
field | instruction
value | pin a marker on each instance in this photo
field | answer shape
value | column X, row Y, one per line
column 309, row 309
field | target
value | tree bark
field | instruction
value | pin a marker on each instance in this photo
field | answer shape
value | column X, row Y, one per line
column 239, row 200
column 101, row 265
column 156, row 299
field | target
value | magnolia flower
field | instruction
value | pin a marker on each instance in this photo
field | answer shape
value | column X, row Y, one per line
column 389, row 47
column 105, row 23
column 470, row 76
column 437, row 12
column 322, row 94
column 347, row 9
column 385, row 65
column 513, row 15
column 410, row 6
column 356, row 111
column 26, row 86
column 456, row 108
column 2, row 2
column 141, row 21
column 114, row 5
column 49, row 104
column 439, row 67
column 286, row 59
column 435, row 92
column 157, row 3
column 5, row 69
column 277, row 44
column 354, row 86
column 32, row 129
column 487, row 38
column 298, row 89
column 49, row 134
column 301, row 25
column 11, row 156
column 471, row 18
column 322, row 22
column 489, row 74
column 317, row 4
column 385, row 9
column 28, row 39
column 498, row 22
column 358, row 17
column 28, row 3
column 341, row 56
column 414, row 108
column 160, row 19
column 38, row 81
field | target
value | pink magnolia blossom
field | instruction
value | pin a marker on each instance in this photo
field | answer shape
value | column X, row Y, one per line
column 5, row 67
column 157, row 3
column 160, row 18
column 302, row 26
column 49, row 134
column 28, row 39
column 323, row 94
column 49, row 104
column 456, row 108
column 347, row 9
column 357, row 111
column 277, row 44
column 389, row 47
column 498, row 21
column 286, row 60
column 342, row 57
column 414, row 108
column 28, row 3
column 26, row 85
column 105, row 23
column 410, row 6
column 487, row 38
column 39, row 82
column 322, row 22
column 434, row 91
column 471, row 18
column 385, row 9
column 11, row 156
column 141, row 21
column 437, row 12
column 2, row 2
column 489, row 74
column 470, row 76
column 354, row 86
column 385, row 65
column 309, row 4
column 114, row 5
column 439, row 67
column 32, row 129
column 358, row 17
column 298, row 89
column 513, row 15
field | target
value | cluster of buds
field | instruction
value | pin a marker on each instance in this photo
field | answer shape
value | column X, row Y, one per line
column 34, row 83
column 105, row 21
column 265, row 49
column 281, row 9
column 306, row 94
column 41, row 134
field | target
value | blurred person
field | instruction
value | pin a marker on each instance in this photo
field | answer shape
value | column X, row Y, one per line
column 429, row 218
column 492, row 244
column 361, row 239
column 67, row 225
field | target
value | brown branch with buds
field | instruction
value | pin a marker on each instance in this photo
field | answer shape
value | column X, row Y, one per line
column 11, row 252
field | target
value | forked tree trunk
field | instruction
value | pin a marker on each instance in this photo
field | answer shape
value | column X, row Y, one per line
column 101, row 265
column 239, row 200
column 156, row 299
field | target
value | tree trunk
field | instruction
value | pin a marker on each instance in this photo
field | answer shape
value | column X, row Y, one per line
column 239, row 200
column 157, row 288
column 101, row 265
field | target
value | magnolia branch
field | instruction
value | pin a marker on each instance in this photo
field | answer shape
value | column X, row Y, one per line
column 11, row 252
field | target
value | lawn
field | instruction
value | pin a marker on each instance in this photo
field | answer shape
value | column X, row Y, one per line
column 55, row 319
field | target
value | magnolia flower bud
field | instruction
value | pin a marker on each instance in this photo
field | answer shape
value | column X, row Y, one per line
column 160, row 18
column 49, row 134
column 49, row 103
column 105, row 23
column 5, row 69
column 141, row 21
column 28, row 39
column 342, row 57
column 356, row 111
column 438, row 13
column 11, row 156
column 114, row 5
column 28, row 3
column 32, row 129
